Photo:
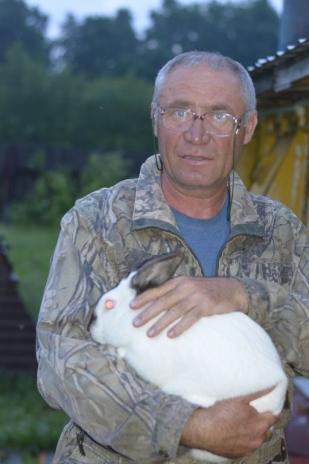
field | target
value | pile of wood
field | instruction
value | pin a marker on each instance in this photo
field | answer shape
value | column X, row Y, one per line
column 17, row 330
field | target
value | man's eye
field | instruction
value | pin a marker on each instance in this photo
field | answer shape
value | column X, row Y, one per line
column 180, row 113
column 220, row 116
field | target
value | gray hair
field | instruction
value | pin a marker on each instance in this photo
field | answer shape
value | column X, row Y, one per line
column 213, row 60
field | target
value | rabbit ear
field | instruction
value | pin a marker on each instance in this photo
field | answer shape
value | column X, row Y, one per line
column 156, row 271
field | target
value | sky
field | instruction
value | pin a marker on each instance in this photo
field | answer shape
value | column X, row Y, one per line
column 57, row 10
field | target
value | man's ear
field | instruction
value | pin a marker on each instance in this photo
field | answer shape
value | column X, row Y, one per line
column 155, row 271
column 250, row 126
column 154, row 125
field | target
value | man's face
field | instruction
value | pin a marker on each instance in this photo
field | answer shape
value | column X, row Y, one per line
column 195, row 161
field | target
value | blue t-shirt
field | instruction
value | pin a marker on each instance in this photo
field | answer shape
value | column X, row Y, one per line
column 205, row 237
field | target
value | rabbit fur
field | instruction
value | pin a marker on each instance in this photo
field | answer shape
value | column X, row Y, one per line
column 219, row 357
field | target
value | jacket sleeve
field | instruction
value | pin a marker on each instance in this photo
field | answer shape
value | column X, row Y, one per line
column 283, row 310
column 95, row 388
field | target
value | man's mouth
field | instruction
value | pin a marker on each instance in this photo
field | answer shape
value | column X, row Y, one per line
column 196, row 158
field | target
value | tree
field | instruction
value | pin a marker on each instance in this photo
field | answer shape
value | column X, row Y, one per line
column 24, row 25
column 229, row 28
column 115, row 115
column 100, row 45
column 24, row 97
column 250, row 30
column 174, row 29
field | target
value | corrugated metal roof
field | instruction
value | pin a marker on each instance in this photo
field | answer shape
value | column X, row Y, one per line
column 282, row 57
column 282, row 79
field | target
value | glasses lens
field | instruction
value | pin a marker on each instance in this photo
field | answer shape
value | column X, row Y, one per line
column 216, row 122
column 177, row 117
column 219, row 123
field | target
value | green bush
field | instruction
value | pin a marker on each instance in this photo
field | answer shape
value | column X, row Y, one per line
column 103, row 171
column 55, row 191
column 52, row 195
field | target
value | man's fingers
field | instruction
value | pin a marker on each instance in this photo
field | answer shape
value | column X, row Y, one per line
column 173, row 314
column 168, row 304
column 163, row 322
column 145, row 298
column 183, row 321
column 269, row 435
column 152, row 294
column 184, row 324
column 258, row 394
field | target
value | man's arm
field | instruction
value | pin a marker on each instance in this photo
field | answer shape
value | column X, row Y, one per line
column 230, row 428
column 96, row 388
column 283, row 311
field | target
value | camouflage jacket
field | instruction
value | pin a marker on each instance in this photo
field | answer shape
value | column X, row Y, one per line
column 116, row 417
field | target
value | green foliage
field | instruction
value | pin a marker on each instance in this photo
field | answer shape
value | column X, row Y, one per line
column 23, row 25
column 26, row 421
column 38, row 107
column 35, row 105
column 100, row 45
column 228, row 28
column 81, row 102
column 115, row 113
column 55, row 191
column 103, row 171
column 262, row 39
column 23, row 97
column 97, row 96
column 53, row 194
column 213, row 25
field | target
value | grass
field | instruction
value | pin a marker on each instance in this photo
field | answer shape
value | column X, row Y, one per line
column 30, row 249
column 27, row 423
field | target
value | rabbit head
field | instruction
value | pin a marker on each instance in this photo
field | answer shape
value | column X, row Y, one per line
column 112, row 319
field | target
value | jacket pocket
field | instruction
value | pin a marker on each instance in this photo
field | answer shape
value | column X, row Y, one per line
column 76, row 447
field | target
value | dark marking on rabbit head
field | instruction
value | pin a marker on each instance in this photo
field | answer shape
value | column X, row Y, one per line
column 155, row 271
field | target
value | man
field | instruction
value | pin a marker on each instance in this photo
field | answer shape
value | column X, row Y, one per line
column 240, row 252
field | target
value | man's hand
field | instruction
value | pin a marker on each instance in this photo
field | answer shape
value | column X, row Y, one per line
column 230, row 428
column 186, row 300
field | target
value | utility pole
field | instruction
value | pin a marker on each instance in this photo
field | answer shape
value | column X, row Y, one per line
column 294, row 22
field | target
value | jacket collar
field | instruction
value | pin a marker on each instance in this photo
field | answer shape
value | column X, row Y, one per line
column 151, row 209
column 244, row 214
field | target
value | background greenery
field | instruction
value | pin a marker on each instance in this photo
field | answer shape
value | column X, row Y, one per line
column 74, row 117
column 89, row 89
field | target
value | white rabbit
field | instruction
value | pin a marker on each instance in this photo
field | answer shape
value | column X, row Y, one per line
column 219, row 357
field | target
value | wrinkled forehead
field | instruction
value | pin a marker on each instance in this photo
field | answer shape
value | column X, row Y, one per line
column 202, row 86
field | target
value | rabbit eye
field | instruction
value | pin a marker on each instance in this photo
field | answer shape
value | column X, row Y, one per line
column 109, row 304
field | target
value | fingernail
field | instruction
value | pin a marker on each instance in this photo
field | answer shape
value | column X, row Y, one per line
column 137, row 321
column 133, row 304
column 151, row 332
column 171, row 333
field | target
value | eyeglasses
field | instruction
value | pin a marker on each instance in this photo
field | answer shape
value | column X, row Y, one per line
column 218, row 123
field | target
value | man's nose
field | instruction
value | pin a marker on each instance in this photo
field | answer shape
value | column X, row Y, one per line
column 196, row 133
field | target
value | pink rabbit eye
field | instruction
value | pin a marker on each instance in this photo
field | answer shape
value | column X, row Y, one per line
column 109, row 304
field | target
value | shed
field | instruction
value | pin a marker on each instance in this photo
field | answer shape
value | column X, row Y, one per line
column 276, row 162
